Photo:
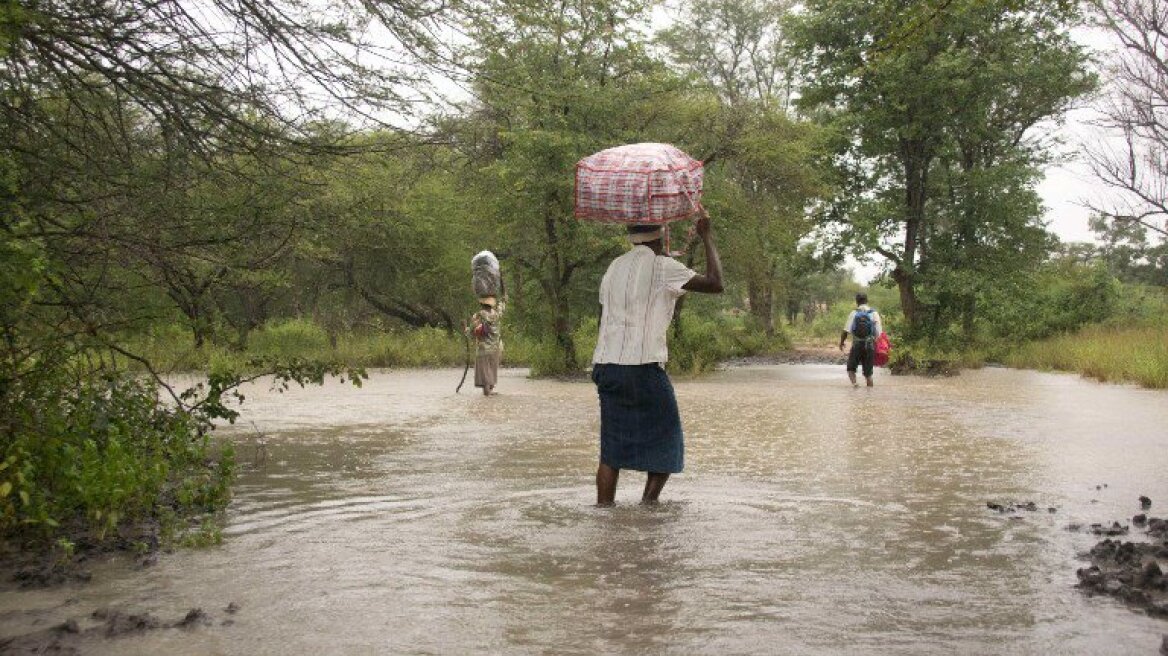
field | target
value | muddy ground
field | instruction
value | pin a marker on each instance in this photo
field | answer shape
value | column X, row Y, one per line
column 72, row 636
column 1130, row 571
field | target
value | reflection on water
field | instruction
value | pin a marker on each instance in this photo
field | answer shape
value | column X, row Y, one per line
column 814, row 518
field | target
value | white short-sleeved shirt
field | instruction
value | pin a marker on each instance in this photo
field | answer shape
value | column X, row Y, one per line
column 638, row 293
column 877, row 324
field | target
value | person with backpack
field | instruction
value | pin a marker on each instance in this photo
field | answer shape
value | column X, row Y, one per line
column 864, row 325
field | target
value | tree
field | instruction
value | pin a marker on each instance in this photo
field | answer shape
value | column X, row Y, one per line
column 109, row 107
column 390, row 232
column 944, row 89
column 766, row 165
column 555, row 81
column 1136, row 113
column 1129, row 255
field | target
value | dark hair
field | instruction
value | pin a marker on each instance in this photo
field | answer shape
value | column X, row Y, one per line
column 634, row 229
column 861, row 298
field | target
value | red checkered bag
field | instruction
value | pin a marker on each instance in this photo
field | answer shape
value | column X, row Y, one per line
column 638, row 183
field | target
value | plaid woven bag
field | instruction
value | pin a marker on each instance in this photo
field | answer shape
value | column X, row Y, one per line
column 638, row 183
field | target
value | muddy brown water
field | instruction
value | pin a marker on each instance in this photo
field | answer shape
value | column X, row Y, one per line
column 812, row 518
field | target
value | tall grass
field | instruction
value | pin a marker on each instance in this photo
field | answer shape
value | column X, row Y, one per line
column 703, row 343
column 170, row 350
column 1136, row 354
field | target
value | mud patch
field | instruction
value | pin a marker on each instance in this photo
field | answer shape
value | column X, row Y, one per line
column 1132, row 572
column 797, row 355
column 103, row 624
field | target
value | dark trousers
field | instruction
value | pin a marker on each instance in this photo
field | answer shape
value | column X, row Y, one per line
column 863, row 353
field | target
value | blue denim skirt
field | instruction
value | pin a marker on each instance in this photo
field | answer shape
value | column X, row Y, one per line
column 640, row 427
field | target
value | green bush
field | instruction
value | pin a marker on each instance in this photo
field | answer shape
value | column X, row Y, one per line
column 289, row 337
column 700, row 344
column 100, row 454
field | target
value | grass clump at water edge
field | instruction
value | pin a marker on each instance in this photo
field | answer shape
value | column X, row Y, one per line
column 1137, row 354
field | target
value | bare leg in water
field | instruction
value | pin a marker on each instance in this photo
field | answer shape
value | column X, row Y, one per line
column 606, row 485
column 653, row 487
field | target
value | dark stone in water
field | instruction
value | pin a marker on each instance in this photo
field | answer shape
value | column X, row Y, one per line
column 1164, row 644
column 232, row 608
column 1127, row 571
column 1140, row 519
column 1115, row 529
column 118, row 623
column 69, row 626
column 1145, row 502
column 194, row 617
column 1157, row 526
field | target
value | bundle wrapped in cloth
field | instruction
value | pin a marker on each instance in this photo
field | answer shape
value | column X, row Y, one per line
column 645, row 183
column 486, row 278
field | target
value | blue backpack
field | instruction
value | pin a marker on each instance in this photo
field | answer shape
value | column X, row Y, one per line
column 862, row 325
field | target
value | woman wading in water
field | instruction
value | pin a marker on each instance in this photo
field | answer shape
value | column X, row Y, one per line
column 486, row 330
column 640, row 427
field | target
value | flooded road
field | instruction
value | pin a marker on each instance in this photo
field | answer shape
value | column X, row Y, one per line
column 812, row 518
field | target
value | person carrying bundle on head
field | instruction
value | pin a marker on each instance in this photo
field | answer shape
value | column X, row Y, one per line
column 640, row 427
column 485, row 327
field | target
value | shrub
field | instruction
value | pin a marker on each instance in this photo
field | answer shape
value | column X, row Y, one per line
column 100, row 454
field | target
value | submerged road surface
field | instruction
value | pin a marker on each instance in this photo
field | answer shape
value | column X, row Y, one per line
column 812, row 518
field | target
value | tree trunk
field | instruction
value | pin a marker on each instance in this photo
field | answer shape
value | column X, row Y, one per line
column 916, row 158
column 762, row 305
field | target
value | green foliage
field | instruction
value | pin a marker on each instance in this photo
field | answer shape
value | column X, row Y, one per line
column 1062, row 296
column 934, row 105
column 1109, row 353
column 298, row 337
column 101, row 454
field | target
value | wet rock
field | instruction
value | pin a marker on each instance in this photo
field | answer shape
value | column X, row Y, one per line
column 194, row 617
column 227, row 622
column 118, row 623
column 1052, row 510
column 1151, row 576
column 1157, row 526
column 50, row 575
column 1089, row 577
column 1014, row 506
column 1145, row 502
column 1128, row 571
column 1164, row 644
column 1074, row 528
column 1114, row 529
column 69, row 626
column 232, row 608
column 1140, row 519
